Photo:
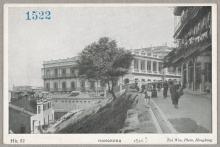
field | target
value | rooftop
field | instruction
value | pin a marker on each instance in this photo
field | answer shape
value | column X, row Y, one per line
column 154, row 48
column 72, row 59
column 68, row 96
column 27, row 103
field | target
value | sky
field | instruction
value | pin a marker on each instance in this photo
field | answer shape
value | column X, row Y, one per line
column 72, row 28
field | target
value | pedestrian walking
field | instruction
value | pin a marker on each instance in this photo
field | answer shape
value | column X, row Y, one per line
column 154, row 92
column 147, row 97
column 174, row 94
column 142, row 88
column 158, row 86
column 165, row 89
column 136, row 86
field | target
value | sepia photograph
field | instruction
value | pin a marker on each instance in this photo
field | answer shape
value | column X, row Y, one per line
column 103, row 69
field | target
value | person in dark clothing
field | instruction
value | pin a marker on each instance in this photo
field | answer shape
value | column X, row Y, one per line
column 154, row 92
column 136, row 86
column 165, row 89
column 158, row 86
column 147, row 97
column 174, row 94
column 142, row 88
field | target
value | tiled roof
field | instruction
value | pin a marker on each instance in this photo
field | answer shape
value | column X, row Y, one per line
column 26, row 103
column 20, row 109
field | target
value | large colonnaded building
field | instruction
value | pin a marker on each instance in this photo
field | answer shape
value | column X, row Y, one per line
column 61, row 76
column 193, row 54
column 61, row 79
column 147, row 66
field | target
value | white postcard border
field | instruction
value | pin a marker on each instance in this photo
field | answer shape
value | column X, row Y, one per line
column 94, row 138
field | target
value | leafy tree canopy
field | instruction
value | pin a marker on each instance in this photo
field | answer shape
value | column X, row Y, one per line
column 104, row 60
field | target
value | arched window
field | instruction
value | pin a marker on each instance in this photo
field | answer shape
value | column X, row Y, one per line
column 92, row 85
column 82, row 85
column 47, row 86
column 55, row 86
column 55, row 72
column 154, row 66
column 72, row 70
column 47, row 72
column 73, row 86
column 63, row 72
column 63, row 86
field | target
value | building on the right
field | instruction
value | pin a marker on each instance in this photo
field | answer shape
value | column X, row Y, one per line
column 193, row 53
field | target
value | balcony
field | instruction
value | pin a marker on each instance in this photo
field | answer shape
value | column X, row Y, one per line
column 136, row 70
column 187, row 17
column 143, row 71
column 59, row 76
column 147, row 72
column 192, row 48
column 92, row 92
column 146, row 55
column 173, row 74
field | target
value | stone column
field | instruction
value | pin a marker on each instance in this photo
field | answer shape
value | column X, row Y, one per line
column 202, row 89
column 151, row 66
column 139, row 65
column 59, row 82
column 157, row 63
column 132, row 66
column 182, row 73
column 187, row 75
column 146, row 66
column 194, row 72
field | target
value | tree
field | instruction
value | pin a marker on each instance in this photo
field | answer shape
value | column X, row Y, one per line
column 104, row 61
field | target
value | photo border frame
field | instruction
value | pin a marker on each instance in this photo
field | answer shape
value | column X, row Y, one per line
column 85, row 1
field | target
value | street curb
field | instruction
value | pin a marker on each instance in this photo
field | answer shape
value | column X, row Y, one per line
column 163, row 117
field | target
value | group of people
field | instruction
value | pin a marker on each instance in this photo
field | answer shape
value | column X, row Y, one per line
column 176, row 91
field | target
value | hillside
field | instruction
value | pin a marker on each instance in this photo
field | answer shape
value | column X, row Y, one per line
column 108, row 119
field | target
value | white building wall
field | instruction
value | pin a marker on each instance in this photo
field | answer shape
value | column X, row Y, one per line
column 69, row 104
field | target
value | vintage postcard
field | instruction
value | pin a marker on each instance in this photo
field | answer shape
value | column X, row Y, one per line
column 110, row 73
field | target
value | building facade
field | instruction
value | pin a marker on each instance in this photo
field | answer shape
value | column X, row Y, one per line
column 61, row 76
column 29, row 114
column 75, row 101
column 194, row 47
column 147, row 66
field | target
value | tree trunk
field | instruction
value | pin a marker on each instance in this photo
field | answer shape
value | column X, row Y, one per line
column 112, row 90
column 113, row 94
column 109, row 89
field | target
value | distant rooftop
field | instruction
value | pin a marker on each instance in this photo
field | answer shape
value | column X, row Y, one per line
column 80, row 96
column 72, row 59
column 153, row 48
column 26, row 103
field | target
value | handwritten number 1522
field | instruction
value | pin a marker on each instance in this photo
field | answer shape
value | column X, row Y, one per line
column 38, row 15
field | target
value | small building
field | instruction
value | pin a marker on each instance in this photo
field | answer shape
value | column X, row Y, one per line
column 63, row 103
column 28, row 114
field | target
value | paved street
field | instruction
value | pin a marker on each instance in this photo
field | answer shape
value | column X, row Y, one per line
column 139, row 119
column 195, row 108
